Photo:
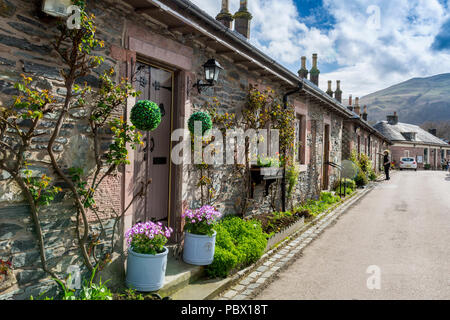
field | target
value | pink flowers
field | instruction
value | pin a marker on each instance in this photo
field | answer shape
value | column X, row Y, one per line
column 148, row 229
column 201, row 221
column 206, row 213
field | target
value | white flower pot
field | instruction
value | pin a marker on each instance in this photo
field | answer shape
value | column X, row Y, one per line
column 146, row 272
column 199, row 249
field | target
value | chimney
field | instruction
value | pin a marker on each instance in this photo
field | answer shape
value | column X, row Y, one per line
column 303, row 72
column 242, row 20
column 433, row 132
column 338, row 92
column 330, row 91
column 314, row 72
column 225, row 17
column 393, row 120
column 350, row 103
column 357, row 108
column 364, row 115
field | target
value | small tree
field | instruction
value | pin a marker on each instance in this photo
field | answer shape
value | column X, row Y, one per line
column 101, row 108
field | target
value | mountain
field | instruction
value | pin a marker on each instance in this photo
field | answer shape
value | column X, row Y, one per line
column 416, row 100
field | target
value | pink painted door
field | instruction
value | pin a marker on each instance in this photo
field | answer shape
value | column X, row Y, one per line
column 153, row 159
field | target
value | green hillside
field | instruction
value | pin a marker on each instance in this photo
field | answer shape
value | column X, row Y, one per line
column 416, row 100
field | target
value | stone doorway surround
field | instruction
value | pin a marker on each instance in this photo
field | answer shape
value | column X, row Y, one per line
column 159, row 50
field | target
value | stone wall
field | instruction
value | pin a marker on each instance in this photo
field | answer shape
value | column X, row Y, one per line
column 25, row 47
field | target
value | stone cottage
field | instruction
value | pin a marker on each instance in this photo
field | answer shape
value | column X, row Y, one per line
column 412, row 141
column 360, row 136
column 161, row 46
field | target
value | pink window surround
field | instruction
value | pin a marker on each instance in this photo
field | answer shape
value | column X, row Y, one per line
column 301, row 110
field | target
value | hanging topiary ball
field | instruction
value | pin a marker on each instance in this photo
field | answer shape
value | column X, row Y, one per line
column 146, row 115
column 205, row 119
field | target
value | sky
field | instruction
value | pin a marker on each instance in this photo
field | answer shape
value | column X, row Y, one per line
column 367, row 44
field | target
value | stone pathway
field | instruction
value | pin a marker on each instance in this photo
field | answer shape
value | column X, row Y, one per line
column 280, row 258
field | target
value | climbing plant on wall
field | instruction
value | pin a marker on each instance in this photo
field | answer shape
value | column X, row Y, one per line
column 101, row 107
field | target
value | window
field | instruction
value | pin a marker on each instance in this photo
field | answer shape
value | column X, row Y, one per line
column 359, row 144
column 406, row 153
column 426, row 152
column 300, row 139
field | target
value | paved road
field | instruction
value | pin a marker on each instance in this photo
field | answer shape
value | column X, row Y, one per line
column 402, row 227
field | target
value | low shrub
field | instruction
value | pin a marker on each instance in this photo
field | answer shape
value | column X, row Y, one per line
column 315, row 207
column 329, row 198
column 347, row 186
column 372, row 176
column 239, row 243
column 361, row 179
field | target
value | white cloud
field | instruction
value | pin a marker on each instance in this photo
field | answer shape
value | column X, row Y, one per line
column 366, row 59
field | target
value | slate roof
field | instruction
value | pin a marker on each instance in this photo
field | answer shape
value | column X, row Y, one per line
column 394, row 133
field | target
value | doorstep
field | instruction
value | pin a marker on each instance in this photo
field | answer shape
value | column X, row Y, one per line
column 202, row 289
column 178, row 275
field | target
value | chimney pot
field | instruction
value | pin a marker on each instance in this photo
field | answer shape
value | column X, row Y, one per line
column 303, row 72
column 338, row 92
column 357, row 108
column 225, row 17
column 365, row 113
column 314, row 72
column 392, row 119
column 329, row 91
column 242, row 20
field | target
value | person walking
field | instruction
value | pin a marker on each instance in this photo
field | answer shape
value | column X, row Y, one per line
column 386, row 164
column 448, row 165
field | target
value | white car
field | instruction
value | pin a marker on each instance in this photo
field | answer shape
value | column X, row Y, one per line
column 408, row 163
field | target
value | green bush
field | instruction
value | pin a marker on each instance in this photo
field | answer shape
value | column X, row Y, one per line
column 224, row 262
column 203, row 117
column 329, row 198
column 347, row 183
column 315, row 207
column 361, row 179
column 146, row 115
column 372, row 176
column 239, row 243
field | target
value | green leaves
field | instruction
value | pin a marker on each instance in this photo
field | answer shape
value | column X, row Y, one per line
column 238, row 244
column 146, row 115
column 202, row 117
column 123, row 134
column 40, row 189
column 142, row 244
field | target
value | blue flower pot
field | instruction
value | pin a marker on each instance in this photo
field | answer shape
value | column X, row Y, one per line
column 146, row 272
column 199, row 249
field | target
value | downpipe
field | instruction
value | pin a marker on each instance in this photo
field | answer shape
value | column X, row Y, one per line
column 283, row 180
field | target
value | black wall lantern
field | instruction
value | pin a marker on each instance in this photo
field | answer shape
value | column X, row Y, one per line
column 212, row 71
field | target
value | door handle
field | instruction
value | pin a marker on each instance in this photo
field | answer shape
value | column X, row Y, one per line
column 152, row 146
column 144, row 150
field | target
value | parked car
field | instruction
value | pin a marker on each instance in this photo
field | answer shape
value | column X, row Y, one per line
column 408, row 163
